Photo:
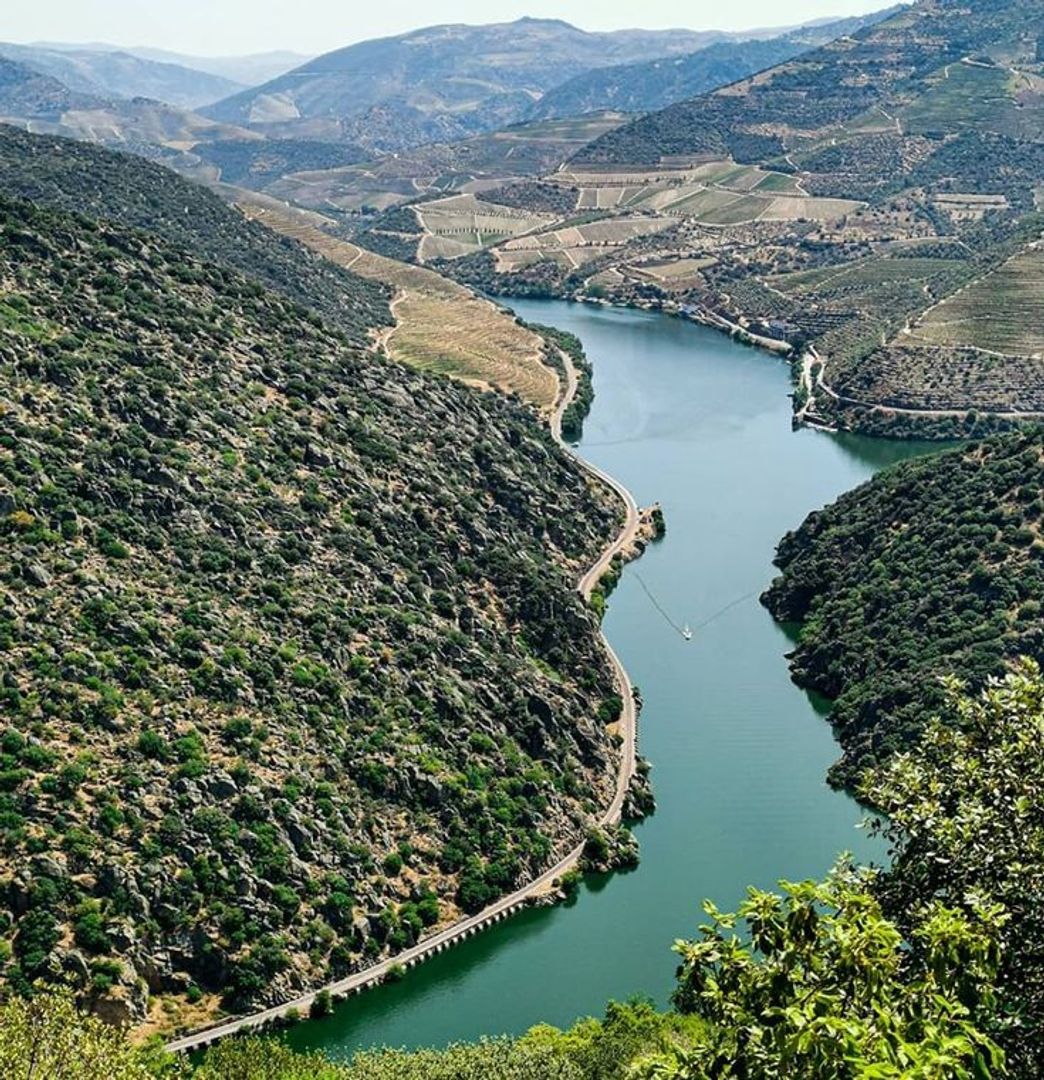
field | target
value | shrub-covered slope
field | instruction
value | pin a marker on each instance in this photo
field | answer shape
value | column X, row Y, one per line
column 290, row 657
column 873, row 74
column 123, row 188
column 933, row 567
column 656, row 84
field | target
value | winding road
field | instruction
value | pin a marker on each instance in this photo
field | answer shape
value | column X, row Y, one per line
column 539, row 886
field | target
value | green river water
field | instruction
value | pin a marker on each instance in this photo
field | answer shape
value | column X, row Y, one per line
column 689, row 418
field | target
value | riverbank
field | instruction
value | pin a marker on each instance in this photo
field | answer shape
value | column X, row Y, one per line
column 840, row 412
column 623, row 545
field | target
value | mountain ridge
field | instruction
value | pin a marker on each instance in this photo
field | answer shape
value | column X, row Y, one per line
column 654, row 84
column 440, row 83
column 123, row 75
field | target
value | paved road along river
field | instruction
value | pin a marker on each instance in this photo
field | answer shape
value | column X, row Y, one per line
column 685, row 416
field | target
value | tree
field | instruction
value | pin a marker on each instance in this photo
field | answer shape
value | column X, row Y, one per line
column 966, row 821
column 824, row 987
column 256, row 1058
column 48, row 1038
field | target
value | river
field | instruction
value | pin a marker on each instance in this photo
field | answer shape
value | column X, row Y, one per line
column 689, row 418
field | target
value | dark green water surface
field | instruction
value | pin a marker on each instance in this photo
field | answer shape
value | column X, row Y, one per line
column 686, row 417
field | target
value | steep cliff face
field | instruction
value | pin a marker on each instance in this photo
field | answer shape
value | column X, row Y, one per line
column 292, row 665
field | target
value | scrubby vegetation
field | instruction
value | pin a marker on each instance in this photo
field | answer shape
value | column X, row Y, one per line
column 256, row 162
column 127, row 190
column 576, row 411
column 933, row 566
column 931, row 969
column 292, row 667
column 538, row 195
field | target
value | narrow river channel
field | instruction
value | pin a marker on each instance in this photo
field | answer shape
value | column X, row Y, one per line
column 687, row 417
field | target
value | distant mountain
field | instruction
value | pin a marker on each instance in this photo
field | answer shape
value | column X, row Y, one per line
column 655, row 84
column 248, row 70
column 439, row 84
column 44, row 105
column 869, row 77
column 122, row 75
column 27, row 93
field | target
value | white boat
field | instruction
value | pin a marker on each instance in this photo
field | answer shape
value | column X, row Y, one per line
column 686, row 632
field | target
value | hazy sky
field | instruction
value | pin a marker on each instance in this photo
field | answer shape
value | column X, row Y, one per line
column 216, row 27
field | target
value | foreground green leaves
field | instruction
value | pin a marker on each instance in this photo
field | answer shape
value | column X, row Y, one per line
column 48, row 1039
column 929, row 971
column 966, row 812
column 822, row 984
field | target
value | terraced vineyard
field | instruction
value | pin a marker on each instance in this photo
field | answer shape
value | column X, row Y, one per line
column 1000, row 313
column 462, row 224
column 576, row 244
column 439, row 325
column 713, row 193
column 849, row 197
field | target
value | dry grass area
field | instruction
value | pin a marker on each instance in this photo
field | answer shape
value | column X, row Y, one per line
column 440, row 325
column 1002, row 312
column 719, row 193
column 672, row 273
column 610, row 232
column 790, row 208
column 461, row 224
column 968, row 207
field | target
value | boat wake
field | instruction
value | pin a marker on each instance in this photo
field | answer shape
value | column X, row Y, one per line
column 687, row 631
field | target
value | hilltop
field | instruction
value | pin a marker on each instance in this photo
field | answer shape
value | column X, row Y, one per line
column 123, row 188
column 440, row 83
column 292, row 662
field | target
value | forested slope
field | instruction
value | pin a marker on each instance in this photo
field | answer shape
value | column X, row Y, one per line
column 123, row 188
column 292, row 665
column 934, row 567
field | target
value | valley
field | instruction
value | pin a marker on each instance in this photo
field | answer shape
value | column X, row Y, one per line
column 326, row 380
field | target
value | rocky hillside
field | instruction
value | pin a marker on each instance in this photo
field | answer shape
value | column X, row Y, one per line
column 292, row 666
column 125, row 189
column 438, row 84
column 934, row 566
